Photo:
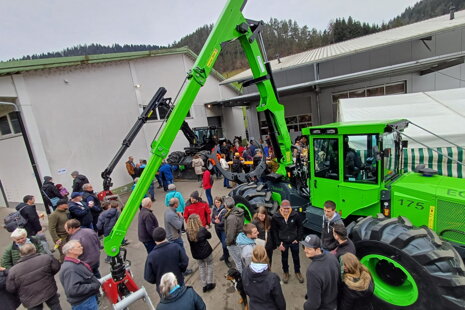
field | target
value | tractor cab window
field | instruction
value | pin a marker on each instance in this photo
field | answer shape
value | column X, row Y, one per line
column 202, row 134
column 361, row 158
column 326, row 163
column 391, row 150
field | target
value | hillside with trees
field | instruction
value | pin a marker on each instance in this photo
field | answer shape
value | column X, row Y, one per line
column 281, row 37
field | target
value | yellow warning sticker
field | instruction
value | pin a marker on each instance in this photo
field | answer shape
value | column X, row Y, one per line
column 432, row 210
column 211, row 60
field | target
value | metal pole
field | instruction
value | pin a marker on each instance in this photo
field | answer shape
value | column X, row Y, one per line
column 32, row 159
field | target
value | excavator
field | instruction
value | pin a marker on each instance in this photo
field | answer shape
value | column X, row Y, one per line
column 408, row 228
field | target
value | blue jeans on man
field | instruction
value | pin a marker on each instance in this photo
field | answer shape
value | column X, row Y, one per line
column 88, row 304
column 208, row 193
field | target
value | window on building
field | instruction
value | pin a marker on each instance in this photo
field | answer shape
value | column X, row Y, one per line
column 9, row 125
column 379, row 90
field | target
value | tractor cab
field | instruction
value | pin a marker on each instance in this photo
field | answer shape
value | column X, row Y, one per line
column 351, row 163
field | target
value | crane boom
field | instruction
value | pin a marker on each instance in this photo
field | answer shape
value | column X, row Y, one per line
column 231, row 25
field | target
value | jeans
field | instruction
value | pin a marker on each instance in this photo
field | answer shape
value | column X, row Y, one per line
column 295, row 256
column 53, row 303
column 225, row 182
column 149, row 245
column 222, row 236
column 159, row 180
column 151, row 191
column 206, row 270
column 235, row 252
column 208, row 193
column 88, row 304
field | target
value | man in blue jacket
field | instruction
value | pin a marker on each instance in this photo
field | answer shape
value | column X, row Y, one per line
column 165, row 257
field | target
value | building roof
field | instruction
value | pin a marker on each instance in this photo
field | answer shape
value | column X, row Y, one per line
column 357, row 45
column 19, row 66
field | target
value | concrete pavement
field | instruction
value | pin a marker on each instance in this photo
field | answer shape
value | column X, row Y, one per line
column 223, row 296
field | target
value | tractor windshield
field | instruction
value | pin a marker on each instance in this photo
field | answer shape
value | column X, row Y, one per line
column 360, row 158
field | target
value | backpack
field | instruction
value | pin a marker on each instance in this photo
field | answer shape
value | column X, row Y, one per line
column 14, row 220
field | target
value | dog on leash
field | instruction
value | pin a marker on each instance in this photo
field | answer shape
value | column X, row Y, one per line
column 235, row 277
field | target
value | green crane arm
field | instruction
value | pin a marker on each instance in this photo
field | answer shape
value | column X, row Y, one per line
column 230, row 26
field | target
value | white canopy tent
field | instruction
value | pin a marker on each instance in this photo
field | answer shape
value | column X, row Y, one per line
column 441, row 112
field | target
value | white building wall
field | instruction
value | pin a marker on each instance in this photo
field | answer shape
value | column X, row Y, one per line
column 16, row 171
column 233, row 122
column 84, row 112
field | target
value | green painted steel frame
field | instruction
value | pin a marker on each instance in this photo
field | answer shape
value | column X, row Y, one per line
column 225, row 30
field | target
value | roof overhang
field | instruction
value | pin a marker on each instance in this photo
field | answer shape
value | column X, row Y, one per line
column 422, row 66
column 7, row 107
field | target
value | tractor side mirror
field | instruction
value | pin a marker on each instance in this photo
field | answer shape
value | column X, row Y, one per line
column 404, row 144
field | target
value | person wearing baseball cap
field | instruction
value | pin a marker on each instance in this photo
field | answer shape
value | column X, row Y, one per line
column 322, row 275
column 287, row 230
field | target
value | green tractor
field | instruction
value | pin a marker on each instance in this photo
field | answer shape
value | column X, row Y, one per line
column 408, row 228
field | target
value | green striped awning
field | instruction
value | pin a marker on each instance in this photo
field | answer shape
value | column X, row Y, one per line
column 433, row 160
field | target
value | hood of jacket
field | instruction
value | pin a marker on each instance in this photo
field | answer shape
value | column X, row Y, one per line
column 22, row 204
column 111, row 212
column 258, row 277
column 237, row 211
column 335, row 218
column 81, row 178
column 242, row 239
column 174, row 296
column 360, row 284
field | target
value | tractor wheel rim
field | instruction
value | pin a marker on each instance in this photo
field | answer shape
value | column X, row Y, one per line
column 247, row 214
column 404, row 294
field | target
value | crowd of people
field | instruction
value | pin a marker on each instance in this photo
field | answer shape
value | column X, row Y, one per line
column 335, row 278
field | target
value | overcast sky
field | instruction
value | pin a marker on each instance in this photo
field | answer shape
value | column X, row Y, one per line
column 36, row 26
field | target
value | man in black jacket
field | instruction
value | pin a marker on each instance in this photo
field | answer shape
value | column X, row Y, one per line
column 147, row 223
column 51, row 191
column 29, row 212
column 286, row 228
column 78, row 181
column 80, row 211
column 323, row 276
column 90, row 198
column 165, row 257
column 9, row 301
column 345, row 245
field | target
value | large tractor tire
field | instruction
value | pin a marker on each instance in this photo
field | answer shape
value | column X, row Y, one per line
column 175, row 158
column 412, row 267
column 250, row 197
